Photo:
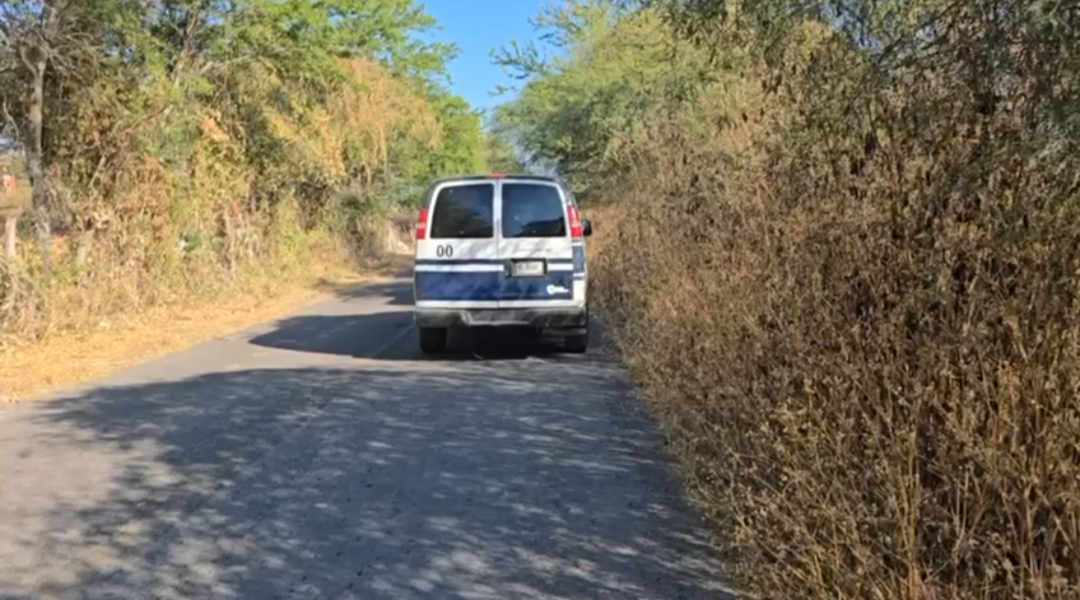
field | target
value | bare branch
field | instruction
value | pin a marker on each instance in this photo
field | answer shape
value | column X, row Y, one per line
column 11, row 119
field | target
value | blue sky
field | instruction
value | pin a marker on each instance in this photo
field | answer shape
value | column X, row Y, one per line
column 478, row 26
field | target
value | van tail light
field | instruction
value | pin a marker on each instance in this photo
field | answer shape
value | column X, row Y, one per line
column 421, row 224
column 576, row 231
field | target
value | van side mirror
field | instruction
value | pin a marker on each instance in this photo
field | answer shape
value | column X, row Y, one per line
column 586, row 227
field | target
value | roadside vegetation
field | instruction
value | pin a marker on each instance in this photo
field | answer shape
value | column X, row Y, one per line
column 185, row 150
column 841, row 259
column 839, row 239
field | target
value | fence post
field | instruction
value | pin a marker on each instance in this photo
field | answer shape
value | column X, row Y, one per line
column 11, row 222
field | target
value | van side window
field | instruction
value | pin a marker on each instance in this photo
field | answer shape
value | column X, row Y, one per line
column 532, row 211
column 464, row 212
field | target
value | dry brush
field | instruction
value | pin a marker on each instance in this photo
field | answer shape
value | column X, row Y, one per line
column 853, row 303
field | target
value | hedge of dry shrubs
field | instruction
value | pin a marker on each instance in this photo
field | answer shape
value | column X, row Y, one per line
column 862, row 337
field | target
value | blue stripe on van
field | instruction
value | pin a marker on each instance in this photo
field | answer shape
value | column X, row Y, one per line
column 490, row 286
column 460, row 285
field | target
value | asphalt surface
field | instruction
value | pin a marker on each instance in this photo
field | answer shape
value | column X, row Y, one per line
column 321, row 456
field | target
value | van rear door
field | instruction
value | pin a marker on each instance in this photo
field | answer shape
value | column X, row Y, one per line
column 535, row 245
column 458, row 262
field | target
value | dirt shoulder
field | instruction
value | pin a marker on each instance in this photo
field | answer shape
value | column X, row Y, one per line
column 67, row 359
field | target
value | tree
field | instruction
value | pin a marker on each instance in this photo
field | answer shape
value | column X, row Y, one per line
column 500, row 156
column 579, row 113
column 34, row 36
column 170, row 64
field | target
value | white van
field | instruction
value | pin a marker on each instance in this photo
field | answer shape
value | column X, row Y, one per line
column 501, row 250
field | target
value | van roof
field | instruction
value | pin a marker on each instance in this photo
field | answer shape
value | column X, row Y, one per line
column 498, row 176
column 429, row 193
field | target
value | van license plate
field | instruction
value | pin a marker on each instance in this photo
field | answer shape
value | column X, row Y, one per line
column 527, row 268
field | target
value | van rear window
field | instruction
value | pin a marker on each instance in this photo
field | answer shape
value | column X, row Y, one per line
column 532, row 211
column 464, row 211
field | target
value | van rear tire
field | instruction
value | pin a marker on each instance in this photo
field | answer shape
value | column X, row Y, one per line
column 432, row 340
column 577, row 344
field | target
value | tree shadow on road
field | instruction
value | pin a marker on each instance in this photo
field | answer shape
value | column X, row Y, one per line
column 461, row 480
column 346, row 332
column 390, row 336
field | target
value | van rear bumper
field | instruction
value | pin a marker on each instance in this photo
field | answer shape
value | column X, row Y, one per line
column 562, row 317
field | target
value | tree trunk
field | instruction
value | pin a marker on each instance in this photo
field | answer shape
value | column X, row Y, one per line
column 11, row 222
column 36, row 58
column 34, row 157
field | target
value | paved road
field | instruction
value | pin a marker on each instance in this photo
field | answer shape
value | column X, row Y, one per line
column 321, row 457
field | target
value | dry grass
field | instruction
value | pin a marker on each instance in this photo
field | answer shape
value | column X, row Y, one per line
column 852, row 433
column 67, row 359
column 109, row 316
column 73, row 357
column 865, row 355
